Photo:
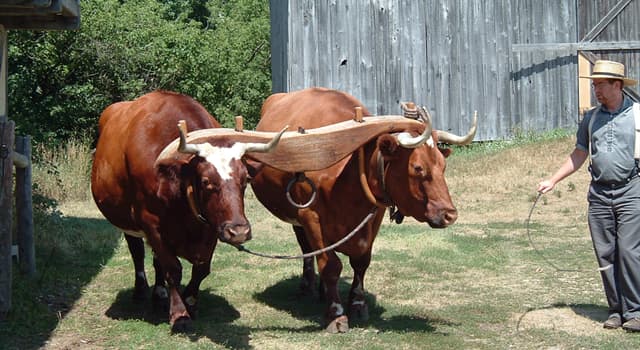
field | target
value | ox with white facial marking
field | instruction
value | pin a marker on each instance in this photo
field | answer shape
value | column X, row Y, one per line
column 180, row 200
column 405, row 170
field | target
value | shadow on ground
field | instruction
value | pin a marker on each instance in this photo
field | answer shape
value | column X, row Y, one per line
column 70, row 252
column 214, row 319
column 285, row 296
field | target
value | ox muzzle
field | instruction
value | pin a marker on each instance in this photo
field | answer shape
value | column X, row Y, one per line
column 233, row 233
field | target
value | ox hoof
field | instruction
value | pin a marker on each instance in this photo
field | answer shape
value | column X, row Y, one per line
column 359, row 312
column 140, row 293
column 192, row 310
column 338, row 325
column 181, row 325
column 160, row 299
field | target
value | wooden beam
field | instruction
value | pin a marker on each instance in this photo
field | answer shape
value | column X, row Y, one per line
column 24, row 211
column 41, row 15
column 609, row 46
column 584, row 85
column 581, row 46
column 19, row 160
column 604, row 22
column 6, row 217
column 3, row 74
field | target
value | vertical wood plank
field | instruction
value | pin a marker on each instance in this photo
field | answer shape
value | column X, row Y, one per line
column 24, row 210
column 6, row 215
column 3, row 74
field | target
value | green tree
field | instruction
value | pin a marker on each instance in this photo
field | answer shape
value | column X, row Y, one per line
column 216, row 51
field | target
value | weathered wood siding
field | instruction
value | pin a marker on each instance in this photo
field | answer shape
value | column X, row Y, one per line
column 514, row 61
column 543, row 75
column 619, row 40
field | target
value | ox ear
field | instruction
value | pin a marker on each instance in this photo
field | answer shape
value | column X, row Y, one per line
column 168, row 175
column 388, row 145
column 445, row 151
column 253, row 167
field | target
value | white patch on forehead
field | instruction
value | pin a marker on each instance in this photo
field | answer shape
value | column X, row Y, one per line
column 221, row 157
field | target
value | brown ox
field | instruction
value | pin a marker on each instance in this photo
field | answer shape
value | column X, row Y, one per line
column 412, row 180
column 181, row 201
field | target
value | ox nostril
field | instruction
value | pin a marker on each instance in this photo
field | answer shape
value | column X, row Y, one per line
column 239, row 232
column 450, row 216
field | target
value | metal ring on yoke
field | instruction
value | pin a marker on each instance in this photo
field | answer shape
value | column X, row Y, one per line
column 300, row 178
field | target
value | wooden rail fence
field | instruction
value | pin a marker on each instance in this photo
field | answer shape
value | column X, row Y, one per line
column 24, row 250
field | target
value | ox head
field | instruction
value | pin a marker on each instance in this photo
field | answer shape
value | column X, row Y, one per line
column 211, row 179
column 415, row 178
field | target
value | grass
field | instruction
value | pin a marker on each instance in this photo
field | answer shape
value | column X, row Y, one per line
column 479, row 284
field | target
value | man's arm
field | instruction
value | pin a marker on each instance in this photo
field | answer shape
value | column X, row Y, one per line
column 570, row 165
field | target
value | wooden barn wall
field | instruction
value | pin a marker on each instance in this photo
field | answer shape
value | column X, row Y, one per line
column 452, row 56
column 544, row 65
column 625, row 29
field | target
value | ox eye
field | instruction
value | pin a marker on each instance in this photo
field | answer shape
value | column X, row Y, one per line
column 419, row 170
column 207, row 185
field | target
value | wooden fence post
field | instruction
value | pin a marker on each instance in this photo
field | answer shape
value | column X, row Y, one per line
column 6, row 218
column 24, row 209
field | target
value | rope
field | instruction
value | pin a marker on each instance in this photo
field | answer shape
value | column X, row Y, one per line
column 549, row 262
column 317, row 252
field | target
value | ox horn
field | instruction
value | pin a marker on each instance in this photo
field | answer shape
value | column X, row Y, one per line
column 188, row 148
column 407, row 141
column 265, row 147
column 452, row 139
column 184, row 147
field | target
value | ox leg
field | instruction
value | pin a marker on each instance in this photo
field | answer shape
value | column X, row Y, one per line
column 136, row 248
column 159, row 294
column 308, row 280
column 178, row 316
column 358, row 308
column 190, row 294
column 330, row 267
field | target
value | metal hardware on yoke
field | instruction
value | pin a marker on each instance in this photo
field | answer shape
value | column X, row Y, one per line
column 409, row 110
column 364, row 183
column 300, row 177
column 4, row 151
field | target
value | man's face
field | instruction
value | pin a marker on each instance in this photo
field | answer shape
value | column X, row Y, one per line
column 606, row 90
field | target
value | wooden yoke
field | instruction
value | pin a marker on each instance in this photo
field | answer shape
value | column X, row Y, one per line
column 323, row 147
column 316, row 149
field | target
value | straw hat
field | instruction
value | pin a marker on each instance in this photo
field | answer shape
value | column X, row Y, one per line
column 610, row 70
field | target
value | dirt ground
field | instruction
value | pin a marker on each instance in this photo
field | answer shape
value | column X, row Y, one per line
column 497, row 197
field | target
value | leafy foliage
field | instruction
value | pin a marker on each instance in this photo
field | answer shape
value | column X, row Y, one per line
column 216, row 51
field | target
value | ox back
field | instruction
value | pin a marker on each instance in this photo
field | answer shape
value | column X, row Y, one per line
column 414, row 183
column 131, row 136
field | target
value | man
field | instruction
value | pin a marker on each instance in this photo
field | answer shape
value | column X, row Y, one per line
column 607, row 134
